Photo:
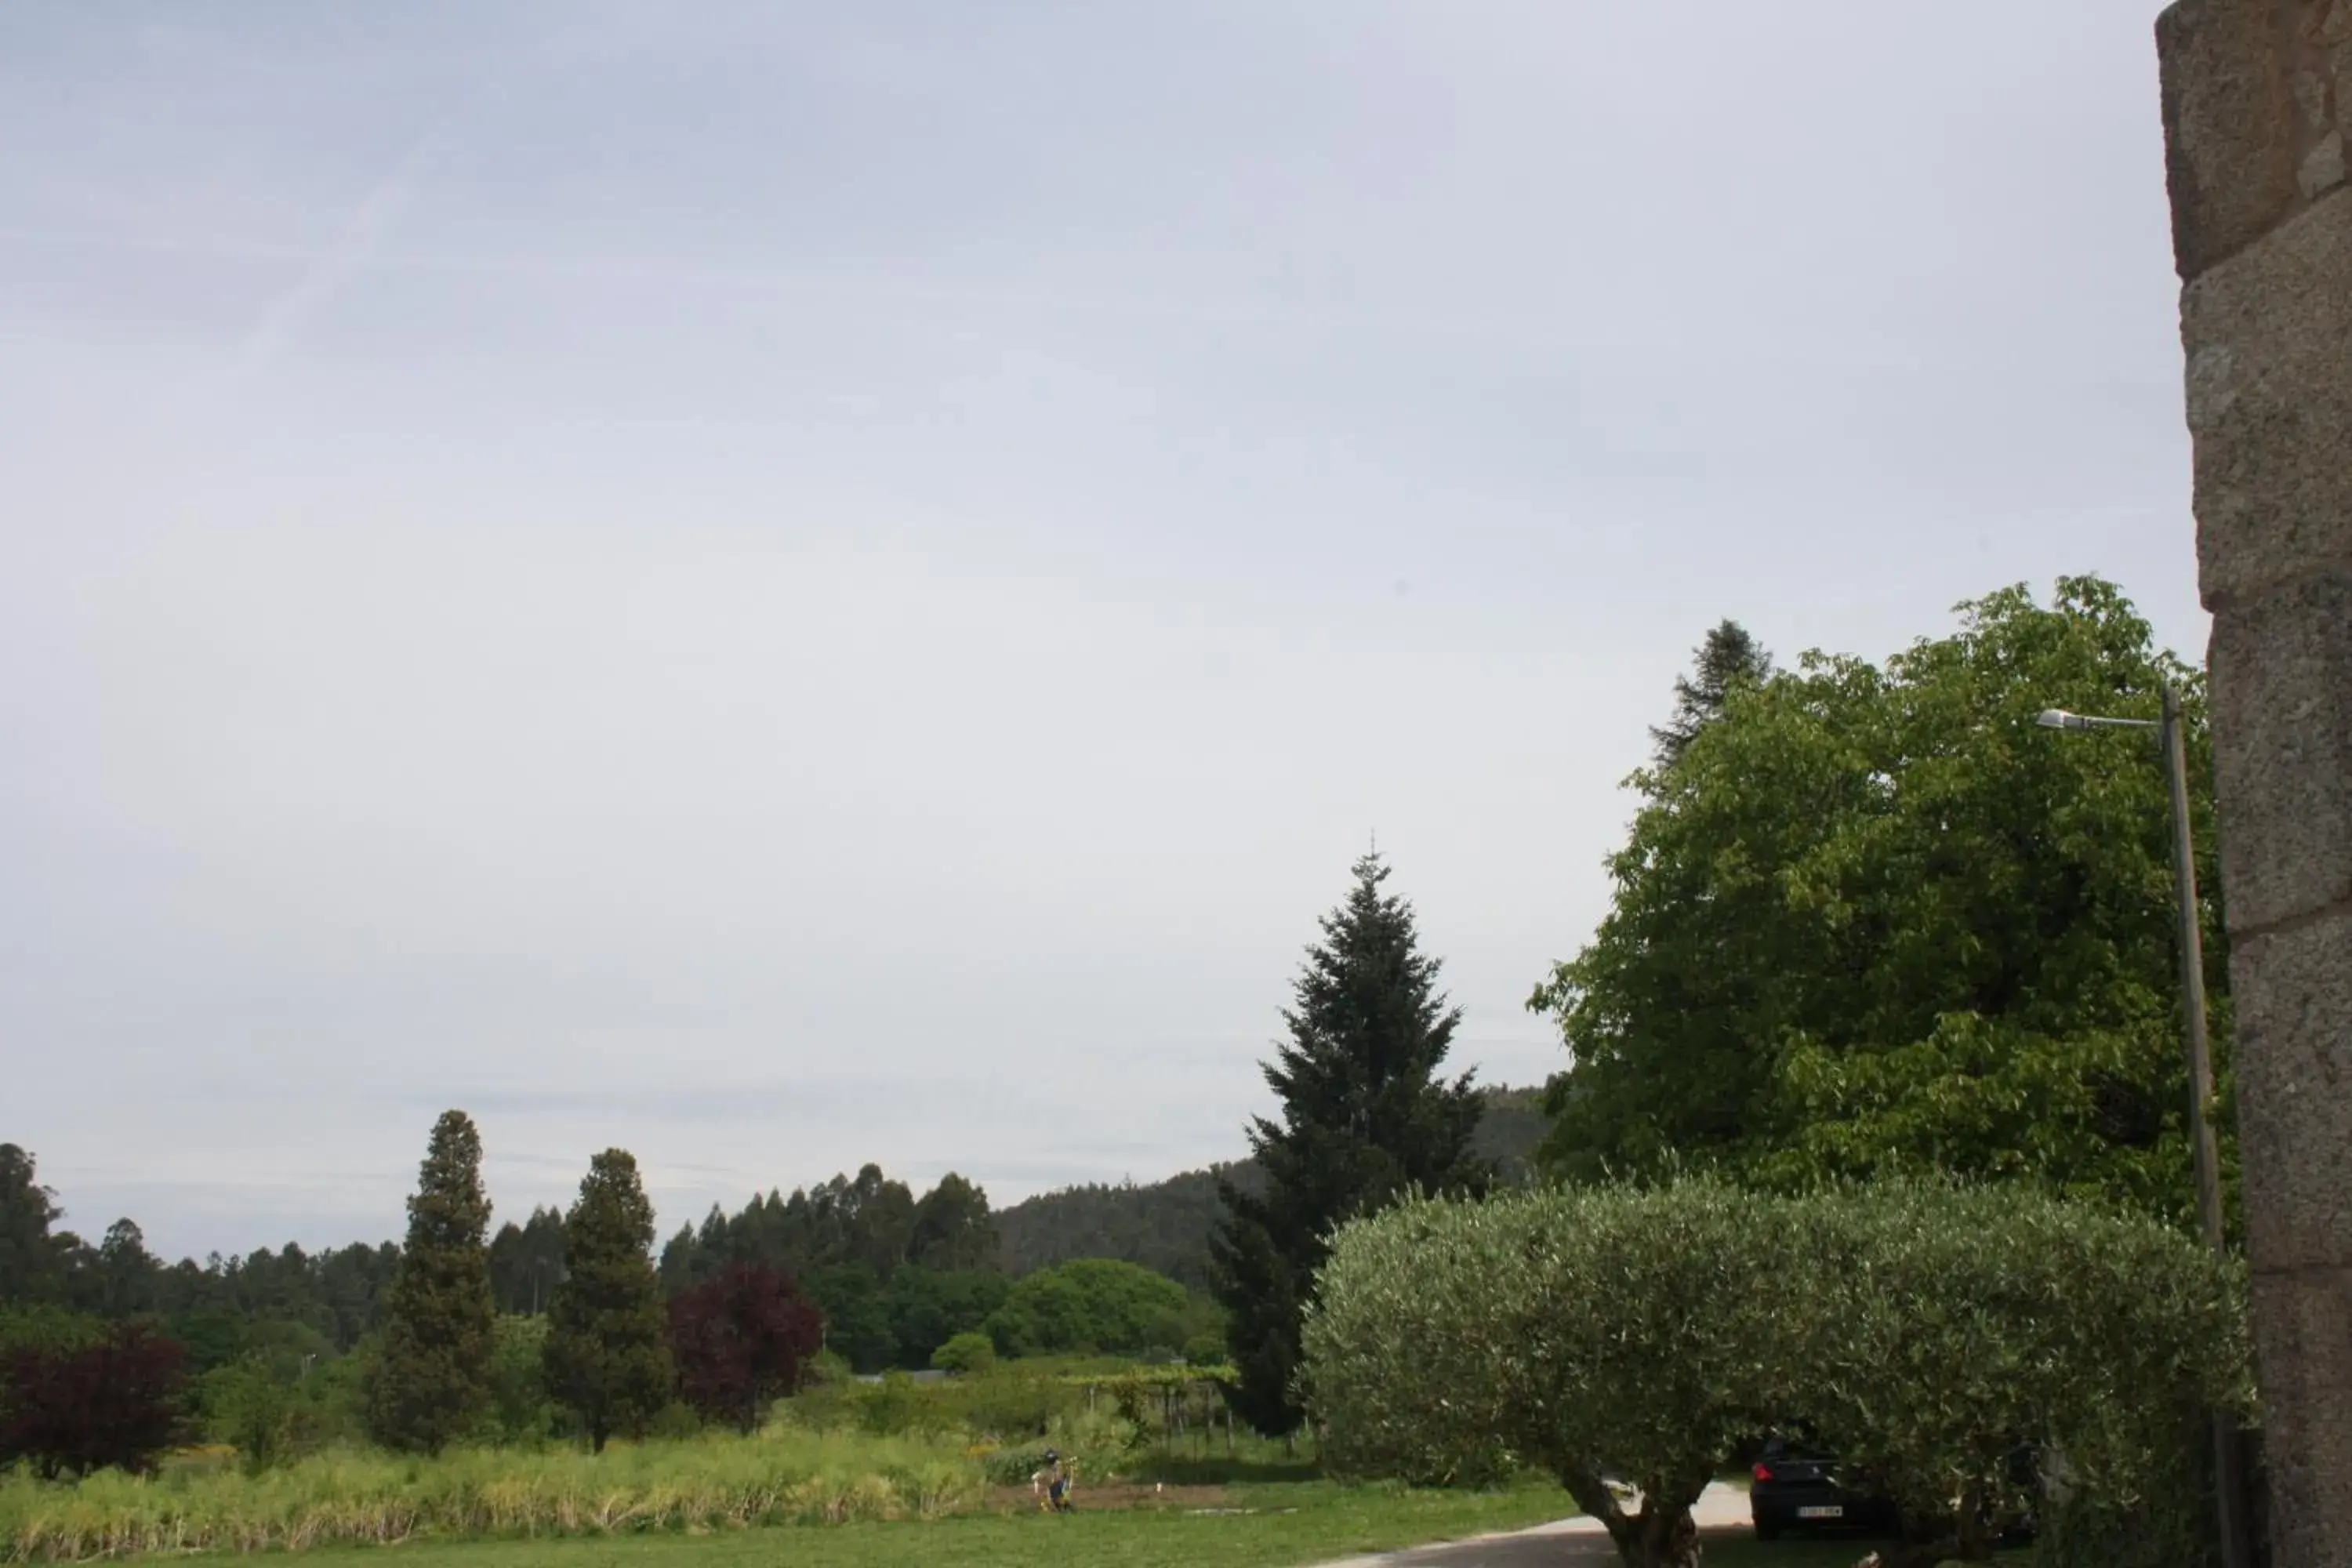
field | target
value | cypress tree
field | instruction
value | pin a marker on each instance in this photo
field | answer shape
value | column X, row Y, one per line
column 1728, row 658
column 1364, row 1119
column 607, row 1355
column 432, row 1383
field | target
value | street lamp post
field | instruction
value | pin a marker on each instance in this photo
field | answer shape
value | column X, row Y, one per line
column 2237, row 1548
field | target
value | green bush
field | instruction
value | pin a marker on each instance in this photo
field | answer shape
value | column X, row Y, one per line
column 249, row 1409
column 967, row 1353
column 1925, row 1331
column 280, row 1400
column 521, row 1413
column 2170, row 1524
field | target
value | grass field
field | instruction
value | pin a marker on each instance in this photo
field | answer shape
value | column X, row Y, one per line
column 1296, row 1522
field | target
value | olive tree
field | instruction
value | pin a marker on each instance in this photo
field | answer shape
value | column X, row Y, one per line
column 1597, row 1334
column 1930, row 1333
column 1962, row 1328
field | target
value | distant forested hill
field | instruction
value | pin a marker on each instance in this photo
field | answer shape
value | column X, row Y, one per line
column 1165, row 1226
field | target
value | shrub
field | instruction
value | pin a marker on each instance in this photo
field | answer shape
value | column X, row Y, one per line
column 2173, row 1523
column 252, row 1411
column 113, row 1402
column 967, row 1353
column 1960, row 1326
column 520, row 1411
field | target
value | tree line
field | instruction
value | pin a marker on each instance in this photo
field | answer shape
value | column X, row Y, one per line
column 333, row 1295
column 564, row 1324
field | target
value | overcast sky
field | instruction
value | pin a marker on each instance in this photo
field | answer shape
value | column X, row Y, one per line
column 780, row 585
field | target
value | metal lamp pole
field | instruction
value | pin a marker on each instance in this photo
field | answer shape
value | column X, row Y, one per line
column 2237, row 1549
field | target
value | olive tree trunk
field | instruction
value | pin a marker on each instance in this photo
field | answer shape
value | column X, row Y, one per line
column 1662, row 1535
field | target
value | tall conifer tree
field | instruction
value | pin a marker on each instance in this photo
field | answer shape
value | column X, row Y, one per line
column 1364, row 1118
column 607, row 1354
column 432, row 1383
column 1729, row 657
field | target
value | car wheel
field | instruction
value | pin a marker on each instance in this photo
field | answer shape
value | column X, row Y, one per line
column 1767, row 1530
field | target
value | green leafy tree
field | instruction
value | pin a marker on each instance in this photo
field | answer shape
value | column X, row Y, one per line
column 32, row 1263
column 1875, row 921
column 1728, row 660
column 1364, row 1119
column 607, row 1354
column 857, row 1315
column 431, row 1383
column 46, row 1326
column 125, row 1271
column 927, row 1308
column 1093, row 1304
column 952, row 1229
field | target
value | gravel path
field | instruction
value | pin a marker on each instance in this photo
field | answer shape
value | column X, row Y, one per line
column 1565, row 1543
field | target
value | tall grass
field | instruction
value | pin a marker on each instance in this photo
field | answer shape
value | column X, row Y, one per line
column 783, row 1477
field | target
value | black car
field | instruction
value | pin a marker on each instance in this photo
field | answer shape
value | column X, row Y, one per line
column 1795, row 1486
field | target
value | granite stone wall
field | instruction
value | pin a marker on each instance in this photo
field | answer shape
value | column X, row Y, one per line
column 2257, row 104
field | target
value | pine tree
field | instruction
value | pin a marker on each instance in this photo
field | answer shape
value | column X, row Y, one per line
column 1729, row 657
column 1365, row 1118
column 432, row 1383
column 607, row 1354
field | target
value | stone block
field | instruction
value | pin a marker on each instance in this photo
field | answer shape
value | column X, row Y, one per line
column 2303, row 1338
column 2281, row 673
column 2269, row 339
column 2232, row 141
column 2293, row 991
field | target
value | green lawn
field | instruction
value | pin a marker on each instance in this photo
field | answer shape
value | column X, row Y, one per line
column 1301, row 1522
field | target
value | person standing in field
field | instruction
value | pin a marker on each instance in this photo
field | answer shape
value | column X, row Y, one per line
column 1051, row 1483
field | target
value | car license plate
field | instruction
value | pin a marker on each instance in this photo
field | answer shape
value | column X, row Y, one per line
column 1829, row 1511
